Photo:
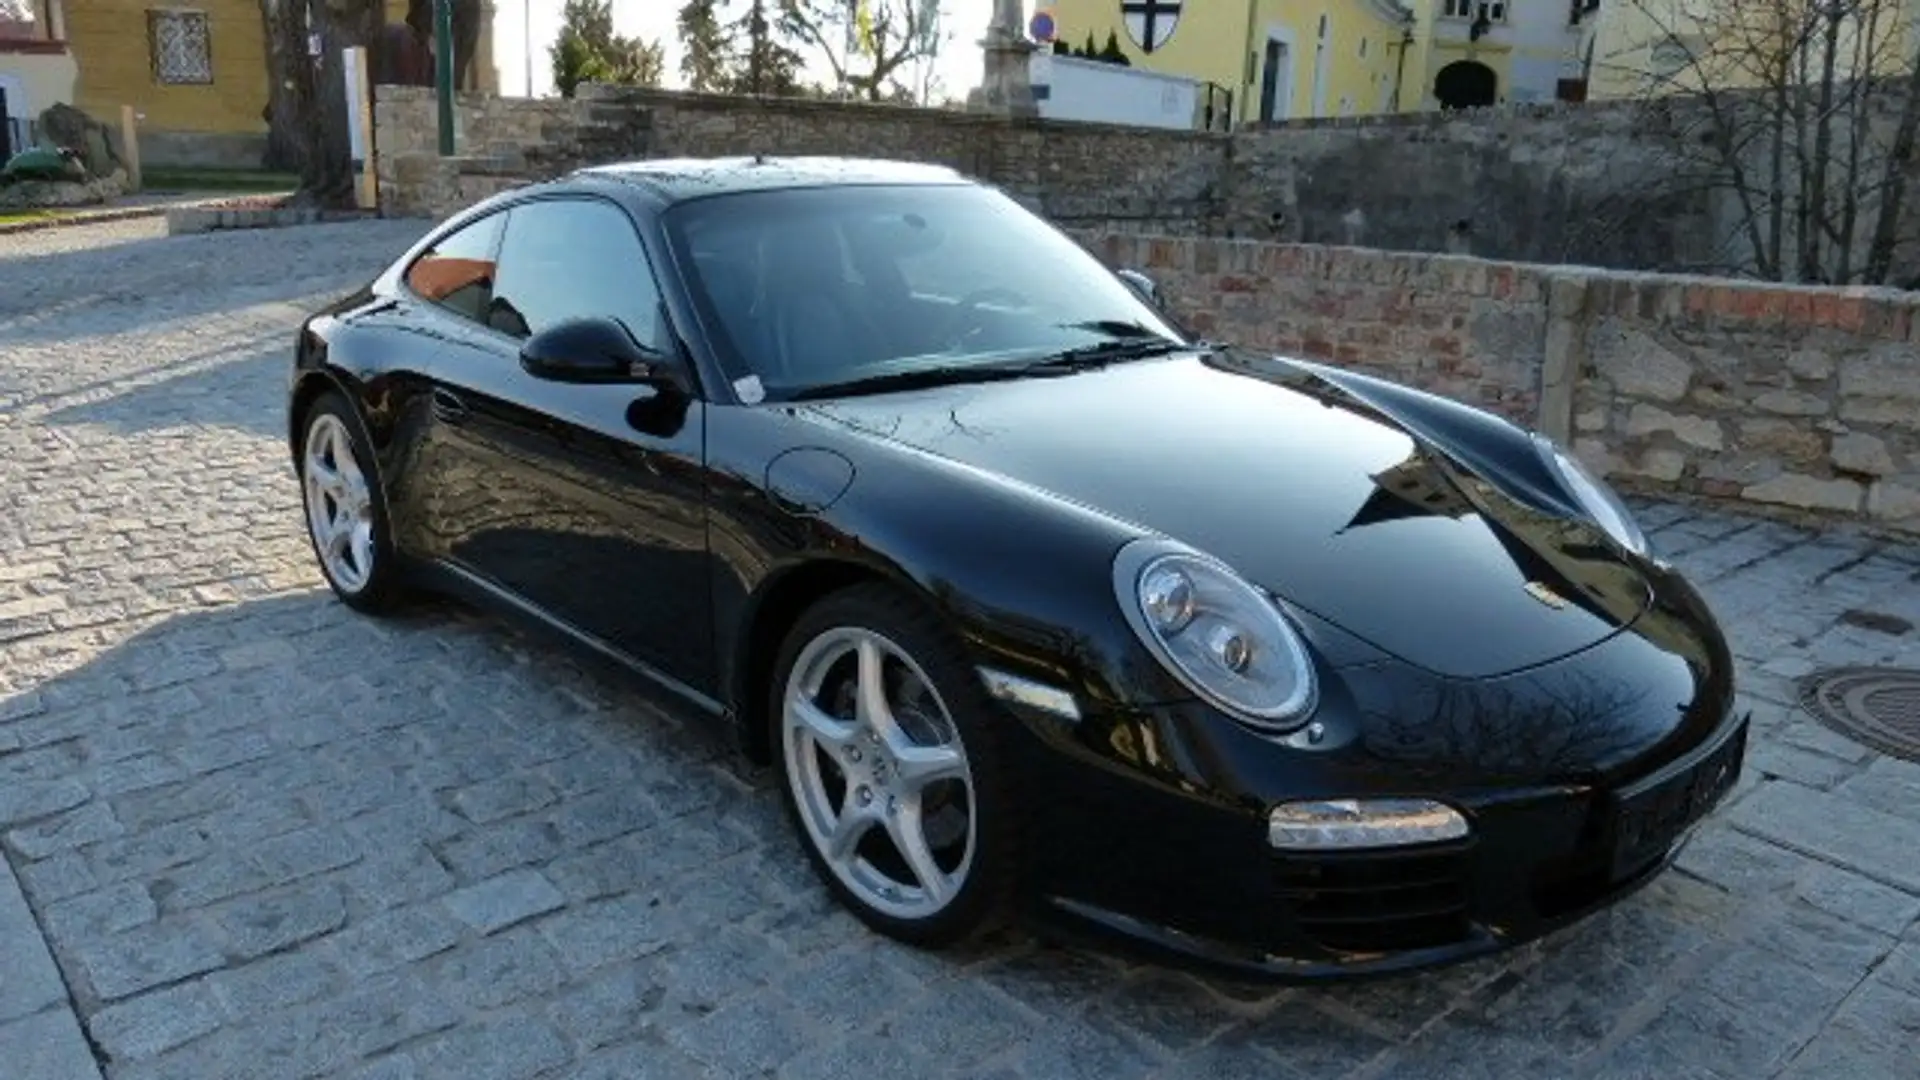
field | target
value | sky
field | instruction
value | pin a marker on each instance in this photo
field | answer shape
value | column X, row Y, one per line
column 965, row 22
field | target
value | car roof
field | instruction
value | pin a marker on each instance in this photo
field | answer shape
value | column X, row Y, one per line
column 678, row 179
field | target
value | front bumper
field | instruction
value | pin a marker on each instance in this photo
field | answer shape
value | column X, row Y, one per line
column 1195, row 880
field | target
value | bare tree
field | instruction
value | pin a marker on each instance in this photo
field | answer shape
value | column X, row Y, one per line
column 1802, row 115
column 868, row 44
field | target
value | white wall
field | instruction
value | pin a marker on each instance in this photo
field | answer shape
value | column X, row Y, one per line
column 1545, row 48
column 1077, row 89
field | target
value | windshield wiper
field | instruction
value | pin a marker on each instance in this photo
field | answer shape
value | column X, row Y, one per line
column 1131, row 341
column 1120, row 328
column 914, row 380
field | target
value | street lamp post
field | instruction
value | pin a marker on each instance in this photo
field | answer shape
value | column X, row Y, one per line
column 443, row 73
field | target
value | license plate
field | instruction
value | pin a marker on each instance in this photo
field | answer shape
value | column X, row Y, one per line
column 1649, row 816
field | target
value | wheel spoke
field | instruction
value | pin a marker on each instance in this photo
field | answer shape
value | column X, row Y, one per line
column 909, row 836
column 852, row 825
column 360, row 539
column 831, row 733
column 339, row 533
column 870, row 696
column 922, row 766
column 324, row 477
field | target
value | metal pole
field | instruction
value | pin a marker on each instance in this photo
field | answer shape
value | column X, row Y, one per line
column 526, row 35
column 443, row 75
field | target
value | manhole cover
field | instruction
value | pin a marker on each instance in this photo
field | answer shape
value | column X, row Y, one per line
column 1874, row 706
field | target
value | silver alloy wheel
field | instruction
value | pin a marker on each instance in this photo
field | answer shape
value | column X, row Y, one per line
column 894, row 768
column 339, row 506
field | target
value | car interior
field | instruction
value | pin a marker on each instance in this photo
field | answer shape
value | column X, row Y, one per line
column 817, row 298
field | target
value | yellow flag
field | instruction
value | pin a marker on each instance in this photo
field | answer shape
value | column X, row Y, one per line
column 863, row 28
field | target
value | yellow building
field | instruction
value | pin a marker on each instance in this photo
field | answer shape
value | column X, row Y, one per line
column 36, row 69
column 1299, row 59
column 1643, row 47
column 196, row 72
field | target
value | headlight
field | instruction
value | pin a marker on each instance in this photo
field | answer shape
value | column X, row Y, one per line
column 1345, row 824
column 1221, row 637
column 1594, row 496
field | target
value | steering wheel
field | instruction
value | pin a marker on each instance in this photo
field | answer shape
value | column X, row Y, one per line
column 966, row 313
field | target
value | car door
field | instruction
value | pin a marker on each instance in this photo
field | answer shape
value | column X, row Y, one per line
column 584, row 500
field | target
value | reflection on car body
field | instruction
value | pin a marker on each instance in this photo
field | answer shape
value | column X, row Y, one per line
column 1036, row 604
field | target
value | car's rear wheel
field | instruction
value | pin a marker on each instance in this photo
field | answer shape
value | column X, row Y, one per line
column 345, row 508
column 891, row 769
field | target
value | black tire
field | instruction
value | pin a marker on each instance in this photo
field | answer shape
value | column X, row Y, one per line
column 382, row 593
column 985, row 902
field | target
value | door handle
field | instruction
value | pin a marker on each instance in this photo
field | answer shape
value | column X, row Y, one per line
column 448, row 407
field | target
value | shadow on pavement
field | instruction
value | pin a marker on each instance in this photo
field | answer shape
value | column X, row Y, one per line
column 410, row 757
column 114, row 286
column 245, row 393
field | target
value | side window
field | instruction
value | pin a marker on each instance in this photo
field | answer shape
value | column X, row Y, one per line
column 566, row 259
column 457, row 273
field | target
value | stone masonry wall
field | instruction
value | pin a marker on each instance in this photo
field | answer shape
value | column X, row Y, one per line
column 1615, row 184
column 1799, row 400
column 1169, row 182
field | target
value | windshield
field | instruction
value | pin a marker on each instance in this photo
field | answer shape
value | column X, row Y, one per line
column 823, row 287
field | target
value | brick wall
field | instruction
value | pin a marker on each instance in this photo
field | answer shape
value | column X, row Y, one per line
column 1801, row 400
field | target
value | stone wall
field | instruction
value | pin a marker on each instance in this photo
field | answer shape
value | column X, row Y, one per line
column 1623, row 185
column 1799, row 400
column 1166, row 181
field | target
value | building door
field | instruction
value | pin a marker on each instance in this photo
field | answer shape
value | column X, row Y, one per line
column 1276, row 80
column 1466, row 84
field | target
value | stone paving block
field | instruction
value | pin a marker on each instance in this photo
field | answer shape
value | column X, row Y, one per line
column 500, row 902
column 1857, row 837
column 148, row 956
column 47, row 1046
column 395, row 938
column 259, row 925
column 498, row 971
column 517, row 1048
column 274, row 982
column 153, row 1023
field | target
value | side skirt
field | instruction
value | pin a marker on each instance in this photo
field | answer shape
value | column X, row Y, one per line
column 481, row 592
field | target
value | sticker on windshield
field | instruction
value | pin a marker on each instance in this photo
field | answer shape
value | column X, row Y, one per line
column 750, row 390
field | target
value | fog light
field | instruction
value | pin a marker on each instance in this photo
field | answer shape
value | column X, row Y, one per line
column 1345, row 824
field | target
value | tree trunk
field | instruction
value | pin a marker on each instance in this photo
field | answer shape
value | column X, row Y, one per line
column 315, row 115
column 286, row 49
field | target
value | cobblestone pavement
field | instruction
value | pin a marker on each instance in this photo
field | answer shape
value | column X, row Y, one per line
column 263, row 837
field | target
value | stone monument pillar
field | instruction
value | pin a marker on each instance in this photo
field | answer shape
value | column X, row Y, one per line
column 1006, row 86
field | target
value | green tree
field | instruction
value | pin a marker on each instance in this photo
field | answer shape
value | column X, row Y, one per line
column 588, row 50
column 768, row 65
column 707, row 58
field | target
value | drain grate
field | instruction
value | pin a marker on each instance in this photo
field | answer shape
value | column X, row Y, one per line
column 1878, row 707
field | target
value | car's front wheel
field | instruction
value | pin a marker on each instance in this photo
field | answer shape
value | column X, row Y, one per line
column 892, row 770
column 345, row 509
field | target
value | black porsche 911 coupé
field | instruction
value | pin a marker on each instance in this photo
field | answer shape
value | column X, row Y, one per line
column 1036, row 604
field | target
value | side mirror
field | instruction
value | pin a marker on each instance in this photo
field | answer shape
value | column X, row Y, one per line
column 601, row 351
column 1141, row 284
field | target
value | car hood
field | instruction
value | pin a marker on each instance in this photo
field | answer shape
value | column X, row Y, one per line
column 1344, row 497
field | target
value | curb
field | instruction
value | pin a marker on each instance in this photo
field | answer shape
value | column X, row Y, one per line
column 84, row 217
column 194, row 218
column 38, row 1019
